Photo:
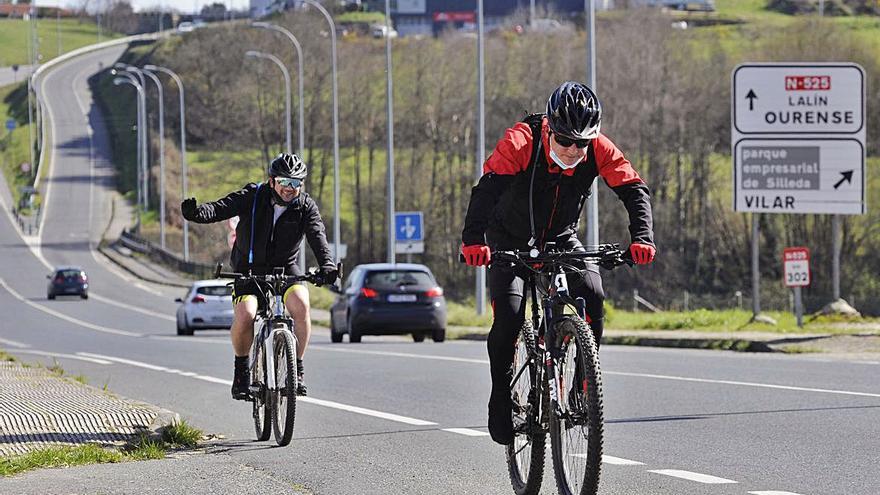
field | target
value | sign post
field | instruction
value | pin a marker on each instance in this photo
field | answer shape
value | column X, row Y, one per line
column 409, row 233
column 798, row 141
column 796, row 274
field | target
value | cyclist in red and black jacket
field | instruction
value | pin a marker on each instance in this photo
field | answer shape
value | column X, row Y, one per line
column 531, row 194
column 274, row 216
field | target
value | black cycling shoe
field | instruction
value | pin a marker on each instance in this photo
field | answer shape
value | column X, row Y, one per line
column 301, row 389
column 240, row 385
column 501, row 422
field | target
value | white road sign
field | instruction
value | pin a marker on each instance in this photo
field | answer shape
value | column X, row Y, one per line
column 796, row 267
column 798, row 99
column 798, row 138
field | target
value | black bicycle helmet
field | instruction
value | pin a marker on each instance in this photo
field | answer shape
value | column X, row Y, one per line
column 574, row 111
column 288, row 165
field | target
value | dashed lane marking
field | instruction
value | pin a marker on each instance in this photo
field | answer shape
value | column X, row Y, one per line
column 467, row 432
column 63, row 355
column 12, row 343
column 619, row 461
column 774, row 492
column 404, row 354
column 691, row 476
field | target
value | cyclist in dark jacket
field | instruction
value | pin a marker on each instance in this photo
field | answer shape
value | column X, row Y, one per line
column 278, row 214
column 531, row 194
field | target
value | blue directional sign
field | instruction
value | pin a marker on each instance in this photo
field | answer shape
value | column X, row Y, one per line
column 10, row 124
column 408, row 226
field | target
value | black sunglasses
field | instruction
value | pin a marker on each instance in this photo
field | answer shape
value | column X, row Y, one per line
column 288, row 182
column 566, row 142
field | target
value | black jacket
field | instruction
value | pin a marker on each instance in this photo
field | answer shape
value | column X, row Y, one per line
column 273, row 247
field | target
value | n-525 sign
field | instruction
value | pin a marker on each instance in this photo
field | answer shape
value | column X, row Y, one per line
column 796, row 266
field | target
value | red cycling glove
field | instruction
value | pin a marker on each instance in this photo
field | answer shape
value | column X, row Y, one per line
column 642, row 254
column 476, row 254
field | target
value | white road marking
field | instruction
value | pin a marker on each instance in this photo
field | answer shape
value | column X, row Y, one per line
column 310, row 400
column 12, row 343
column 403, row 354
column 773, row 492
column 688, row 475
column 619, row 461
column 179, row 339
column 63, row 355
column 129, row 307
column 467, row 432
column 64, row 317
column 744, row 384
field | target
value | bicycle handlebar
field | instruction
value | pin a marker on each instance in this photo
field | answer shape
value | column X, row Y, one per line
column 312, row 276
column 608, row 256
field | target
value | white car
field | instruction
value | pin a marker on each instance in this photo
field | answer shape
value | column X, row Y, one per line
column 207, row 304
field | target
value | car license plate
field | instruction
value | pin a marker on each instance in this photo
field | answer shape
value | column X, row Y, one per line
column 402, row 298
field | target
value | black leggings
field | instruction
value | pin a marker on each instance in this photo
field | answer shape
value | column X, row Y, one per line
column 508, row 305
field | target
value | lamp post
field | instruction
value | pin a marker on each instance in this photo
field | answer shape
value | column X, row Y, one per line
column 481, row 142
column 301, row 122
column 183, row 170
column 277, row 61
column 161, row 156
column 592, row 204
column 145, row 162
column 141, row 105
column 389, row 91
column 336, row 212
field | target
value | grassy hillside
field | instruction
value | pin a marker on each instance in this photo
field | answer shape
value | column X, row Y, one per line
column 13, row 145
column 71, row 32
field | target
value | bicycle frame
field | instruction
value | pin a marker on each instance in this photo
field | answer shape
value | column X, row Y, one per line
column 266, row 335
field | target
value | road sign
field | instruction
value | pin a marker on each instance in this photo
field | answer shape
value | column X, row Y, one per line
column 798, row 99
column 408, row 226
column 10, row 124
column 798, row 138
column 796, row 266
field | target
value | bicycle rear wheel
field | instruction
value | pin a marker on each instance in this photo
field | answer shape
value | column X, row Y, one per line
column 284, row 398
column 260, row 394
column 576, row 437
column 525, row 456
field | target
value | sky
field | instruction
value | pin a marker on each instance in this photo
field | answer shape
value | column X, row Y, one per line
column 180, row 5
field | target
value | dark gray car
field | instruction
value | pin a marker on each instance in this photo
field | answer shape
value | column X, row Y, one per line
column 68, row 281
column 384, row 298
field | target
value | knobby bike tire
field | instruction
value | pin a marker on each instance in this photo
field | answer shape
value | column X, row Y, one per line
column 525, row 456
column 284, row 398
column 262, row 407
column 576, row 440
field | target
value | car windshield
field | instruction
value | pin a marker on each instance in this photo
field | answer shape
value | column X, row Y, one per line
column 215, row 290
column 70, row 274
column 391, row 279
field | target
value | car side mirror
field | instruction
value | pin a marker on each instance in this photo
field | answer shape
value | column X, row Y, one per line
column 179, row 300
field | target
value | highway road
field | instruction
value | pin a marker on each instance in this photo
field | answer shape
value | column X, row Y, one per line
column 393, row 416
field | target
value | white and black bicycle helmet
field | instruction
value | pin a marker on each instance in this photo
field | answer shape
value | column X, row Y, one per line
column 574, row 111
column 288, row 165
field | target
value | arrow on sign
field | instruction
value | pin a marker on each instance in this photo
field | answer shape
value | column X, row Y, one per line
column 847, row 176
column 751, row 97
column 409, row 229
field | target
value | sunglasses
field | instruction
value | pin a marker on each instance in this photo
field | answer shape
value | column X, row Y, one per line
column 287, row 182
column 566, row 142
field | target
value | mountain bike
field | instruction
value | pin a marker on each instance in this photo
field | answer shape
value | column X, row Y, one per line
column 557, row 383
column 272, row 358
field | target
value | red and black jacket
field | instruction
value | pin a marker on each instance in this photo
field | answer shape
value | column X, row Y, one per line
column 498, row 213
column 276, row 244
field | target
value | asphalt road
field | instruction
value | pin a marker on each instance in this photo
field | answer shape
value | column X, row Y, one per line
column 392, row 416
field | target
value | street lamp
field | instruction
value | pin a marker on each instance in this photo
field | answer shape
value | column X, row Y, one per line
column 336, row 209
column 183, row 170
column 302, row 104
column 481, row 142
column 161, row 156
column 389, row 103
column 145, row 173
column 277, row 61
column 141, row 105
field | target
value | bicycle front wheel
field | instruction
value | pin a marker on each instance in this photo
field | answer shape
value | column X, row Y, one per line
column 260, row 394
column 284, row 398
column 576, row 435
column 525, row 456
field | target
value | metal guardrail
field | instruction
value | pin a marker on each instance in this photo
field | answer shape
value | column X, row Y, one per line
column 164, row 256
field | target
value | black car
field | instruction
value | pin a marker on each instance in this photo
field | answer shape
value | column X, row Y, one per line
column 68, row 281
column 384, row 298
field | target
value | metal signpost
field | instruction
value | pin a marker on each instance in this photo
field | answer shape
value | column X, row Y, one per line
column 409, row 233
column 796, row 274
column 798, row 143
